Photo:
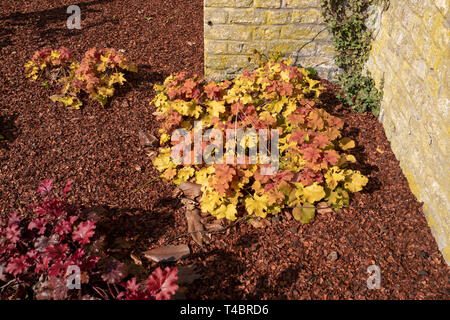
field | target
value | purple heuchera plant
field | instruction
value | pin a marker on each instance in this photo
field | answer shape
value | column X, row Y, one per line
column 37, row 251
column 45, row 245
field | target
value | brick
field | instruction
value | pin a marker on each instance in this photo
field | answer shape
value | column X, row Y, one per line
column 266, row 33
column 290, row 47
column 278, row 17
column 442, row 6
column 246, row 16
column 216, row 47
column 267, row 3
column 302, row 32
column 246, row 47
column 326, row 49
column 215, row 16
column 307, row 16
column 302, row 3
column 417, row 6
column 243, row 3
column 229, row 62
column 228, row 32
column 234, row 28
column 315, row 61
column 219, row 3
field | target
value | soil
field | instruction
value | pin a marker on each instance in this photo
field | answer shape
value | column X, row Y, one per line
column 99, row 148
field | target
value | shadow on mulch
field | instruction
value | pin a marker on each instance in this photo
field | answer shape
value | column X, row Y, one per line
column 141, row 81
column 5, row 37
column 52, row 35
column 8, row 129
column 145, row 78
column 40, row 19
column 276, row 287
column 131, row 223
column 246, row 240
column 226, row 281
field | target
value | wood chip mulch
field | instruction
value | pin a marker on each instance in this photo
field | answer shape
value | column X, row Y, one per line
column 99, row 148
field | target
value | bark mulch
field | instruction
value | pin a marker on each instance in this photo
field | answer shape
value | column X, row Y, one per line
column 99, row 148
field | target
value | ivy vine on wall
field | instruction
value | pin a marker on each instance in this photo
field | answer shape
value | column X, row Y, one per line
column 352, row 40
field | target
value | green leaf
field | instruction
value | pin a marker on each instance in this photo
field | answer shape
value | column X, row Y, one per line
column 312, row 71
column 304, row 213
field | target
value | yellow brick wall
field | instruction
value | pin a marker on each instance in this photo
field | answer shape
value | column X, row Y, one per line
column 411, row 53
column 233, row 28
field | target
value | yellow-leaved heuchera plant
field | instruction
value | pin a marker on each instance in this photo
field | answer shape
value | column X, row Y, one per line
column 313, row 156
column 98, row 73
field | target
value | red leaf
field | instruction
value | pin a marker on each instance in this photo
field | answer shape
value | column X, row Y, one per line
column 115, row 271
column 13, row 218
column 224, row 174
column 57, row 251
column 285, row 88
column 13, row 233
column 67, row 188
column 85, row 230
column 161, row 283
column 321, row 140
column 64, row 226
column 46, row 186
column 17, row 265
column 56, row 269
column 39, row 224
column 43, row 265
column 298, row 136
column 307, row 177
column 132, row 286
column 212, row 90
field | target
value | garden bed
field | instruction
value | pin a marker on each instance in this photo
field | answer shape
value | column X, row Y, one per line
column 99, row 149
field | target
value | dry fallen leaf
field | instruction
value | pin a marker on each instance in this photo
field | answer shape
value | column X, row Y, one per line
column 323, row 208
column 194, row 224
column 147, row 140
column 191, row 190
column 214, row 225
column 168, row 253
column 333, row 256
column 259, row 223
column 136, row 259
column 288, row 214
column 189, row 204
column 152, row 154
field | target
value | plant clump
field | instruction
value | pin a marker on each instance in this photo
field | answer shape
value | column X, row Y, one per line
column 42, row 247
column 97, row 74
column 313, row 155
